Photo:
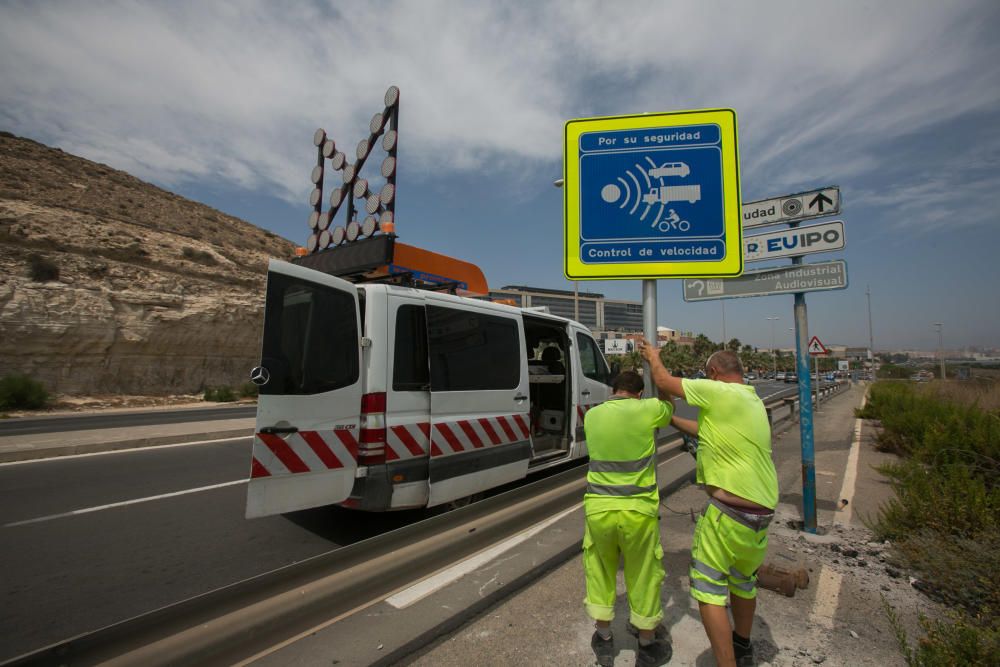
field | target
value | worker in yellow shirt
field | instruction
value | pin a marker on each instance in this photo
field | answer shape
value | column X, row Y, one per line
column 622, row 519
column 734, row 467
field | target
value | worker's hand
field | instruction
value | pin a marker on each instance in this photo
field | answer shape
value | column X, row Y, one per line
column 648, row 351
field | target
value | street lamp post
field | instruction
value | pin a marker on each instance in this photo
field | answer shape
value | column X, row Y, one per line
column 939, row 326
column 576, row 285
column 774, row 357
column 871, row 338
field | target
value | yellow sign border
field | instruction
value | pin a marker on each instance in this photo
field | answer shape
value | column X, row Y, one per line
column 729, row 266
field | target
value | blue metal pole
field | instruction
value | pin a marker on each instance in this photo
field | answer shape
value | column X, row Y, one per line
column 805, row 414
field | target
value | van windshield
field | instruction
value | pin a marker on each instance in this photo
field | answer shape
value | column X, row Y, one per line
column 310, row 340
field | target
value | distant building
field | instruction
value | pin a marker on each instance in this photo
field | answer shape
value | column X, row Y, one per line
column 606, row 318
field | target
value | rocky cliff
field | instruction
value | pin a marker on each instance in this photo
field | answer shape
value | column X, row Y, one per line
column 111, row 285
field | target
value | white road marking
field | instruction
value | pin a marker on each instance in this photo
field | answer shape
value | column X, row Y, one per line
column 828, row 589
column 87, row 510
column 827, row 597
column 127, row 450
column 436, row 582
column 851, row 473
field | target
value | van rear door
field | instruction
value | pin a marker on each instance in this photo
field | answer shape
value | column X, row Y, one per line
column 305, row 447
column 479, row 399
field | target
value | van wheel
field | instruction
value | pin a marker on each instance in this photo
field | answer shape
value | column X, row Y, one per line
column 459, row 503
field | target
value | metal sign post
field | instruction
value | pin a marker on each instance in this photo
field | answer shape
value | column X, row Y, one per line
column 649, row 328
column 805, row 410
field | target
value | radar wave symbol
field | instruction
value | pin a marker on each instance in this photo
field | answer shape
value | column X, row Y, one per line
column 629, row 192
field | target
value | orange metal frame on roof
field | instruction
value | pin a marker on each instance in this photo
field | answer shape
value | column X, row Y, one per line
column 431, row 267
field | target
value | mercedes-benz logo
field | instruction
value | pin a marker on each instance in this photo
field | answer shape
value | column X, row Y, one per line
column 260, row 376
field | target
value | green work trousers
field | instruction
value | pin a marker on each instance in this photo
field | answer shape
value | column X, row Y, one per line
column 636, row 537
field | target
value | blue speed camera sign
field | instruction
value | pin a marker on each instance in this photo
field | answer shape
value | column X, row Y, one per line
column 653, row 196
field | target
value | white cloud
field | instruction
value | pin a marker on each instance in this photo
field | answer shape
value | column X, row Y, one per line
column 188, row 91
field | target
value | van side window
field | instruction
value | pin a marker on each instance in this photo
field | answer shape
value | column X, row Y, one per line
column 409, row 359
column 592, row 361
column 472, row 351
column 310, row 342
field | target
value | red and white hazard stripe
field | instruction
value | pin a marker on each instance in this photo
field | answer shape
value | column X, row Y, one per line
column 465, row 435
column 407, row 441
column 305, row 451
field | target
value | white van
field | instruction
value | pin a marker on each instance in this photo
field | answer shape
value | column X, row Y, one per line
column 380, row 397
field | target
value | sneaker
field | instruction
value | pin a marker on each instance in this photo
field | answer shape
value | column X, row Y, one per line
column 604, row 649
column 744, row 654
column 655, row 654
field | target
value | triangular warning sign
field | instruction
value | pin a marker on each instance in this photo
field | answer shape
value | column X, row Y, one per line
column 816, row 347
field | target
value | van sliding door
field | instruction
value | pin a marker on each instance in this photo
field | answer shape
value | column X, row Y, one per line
column 479, row 399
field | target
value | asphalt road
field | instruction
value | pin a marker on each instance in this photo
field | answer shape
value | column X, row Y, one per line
column 63, row 423
column 65, row 574
column 88, row 541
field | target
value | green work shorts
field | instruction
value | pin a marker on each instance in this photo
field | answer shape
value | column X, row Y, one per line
column 635, row 537
column 725, row 556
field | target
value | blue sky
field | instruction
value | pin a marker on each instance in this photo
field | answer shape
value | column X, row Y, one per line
column 895, row 102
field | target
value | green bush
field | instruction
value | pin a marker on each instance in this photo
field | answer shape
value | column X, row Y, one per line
column 945, row 517
column 220, row 395
column 951, row 500
column 248, row 390
column 20, row 392
column 958, row 641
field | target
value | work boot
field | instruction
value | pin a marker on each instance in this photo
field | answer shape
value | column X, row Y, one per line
column 655, row 654
column 604, row 649
column 743, row 650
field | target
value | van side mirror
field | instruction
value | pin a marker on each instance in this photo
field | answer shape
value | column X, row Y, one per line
column 616, row 369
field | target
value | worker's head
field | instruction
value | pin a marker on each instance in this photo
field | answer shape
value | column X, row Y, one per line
column 628, row 382
column 724, row 366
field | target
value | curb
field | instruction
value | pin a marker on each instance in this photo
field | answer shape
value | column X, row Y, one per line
column 29, row 453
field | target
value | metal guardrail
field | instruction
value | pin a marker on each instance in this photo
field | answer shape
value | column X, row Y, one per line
column 227, row 624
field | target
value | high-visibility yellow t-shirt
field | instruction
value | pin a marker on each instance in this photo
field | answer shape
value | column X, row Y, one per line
column 734, row 440
column 622, row 429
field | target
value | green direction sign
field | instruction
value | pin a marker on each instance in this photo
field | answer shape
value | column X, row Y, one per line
column 786, row 280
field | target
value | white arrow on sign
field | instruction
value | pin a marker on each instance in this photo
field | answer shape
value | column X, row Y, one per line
column 824, row 237
column 792, row 208
column 816, row 348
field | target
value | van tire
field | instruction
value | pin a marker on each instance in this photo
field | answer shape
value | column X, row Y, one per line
column 459, row 503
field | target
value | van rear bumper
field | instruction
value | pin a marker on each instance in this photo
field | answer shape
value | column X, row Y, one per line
column 373, row 490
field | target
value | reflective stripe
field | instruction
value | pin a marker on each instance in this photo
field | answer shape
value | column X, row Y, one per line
column 619, row 489
column 745, row 586
column 736, row 574
column 708, row 571
column 708, row 587
column 621, row 466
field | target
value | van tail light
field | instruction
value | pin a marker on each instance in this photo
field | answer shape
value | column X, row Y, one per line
column 371, row 445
